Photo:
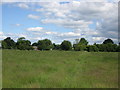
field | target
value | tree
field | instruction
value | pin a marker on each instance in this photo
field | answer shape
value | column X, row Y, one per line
column 109, row 47
column 108, row 41
column 118, row 48
column 45, row 44
column 8, row 43
column 23, row 44
column 79, row 47
column 56, row 46
column 83, row 41
column 21, row 39
column 66, row 45
column 92, row 48
column 35, row 44
column 4, row 45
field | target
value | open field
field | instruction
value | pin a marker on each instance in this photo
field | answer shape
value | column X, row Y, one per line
column 59, row 69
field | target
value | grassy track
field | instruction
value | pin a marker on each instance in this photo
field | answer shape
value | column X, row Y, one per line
column 59, row 69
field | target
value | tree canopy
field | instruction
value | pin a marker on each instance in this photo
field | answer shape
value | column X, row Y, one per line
column 66, row 45
column 83, row 41
column 46, row 44
column 108, row 41
column 8, row 43
column 23, row 44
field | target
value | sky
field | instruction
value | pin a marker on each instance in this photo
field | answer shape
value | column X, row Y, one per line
column 60, row 20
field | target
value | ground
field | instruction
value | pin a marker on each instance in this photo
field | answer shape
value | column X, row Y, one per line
column 59, row 69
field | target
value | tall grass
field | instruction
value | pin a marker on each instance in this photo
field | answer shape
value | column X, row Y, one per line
column 59, row 69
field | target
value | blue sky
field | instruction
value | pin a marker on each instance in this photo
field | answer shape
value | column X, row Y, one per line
column 60, row 21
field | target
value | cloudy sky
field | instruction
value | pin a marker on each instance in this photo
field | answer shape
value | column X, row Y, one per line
column 58, row 21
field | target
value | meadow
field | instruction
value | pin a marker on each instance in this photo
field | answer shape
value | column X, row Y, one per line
column 59, row 69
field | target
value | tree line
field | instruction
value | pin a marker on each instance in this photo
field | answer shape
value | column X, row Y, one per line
column 79, row 45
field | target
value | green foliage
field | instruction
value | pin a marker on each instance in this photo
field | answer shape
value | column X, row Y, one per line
column 83, row 41
column 23, row 44
column 56, row 46
column 4, row 45
column 66, row 45
column 21, row 38
column 92, row 48
column 109, row 47
column 118, row 48
column 8, row 43
column 45, row 44
column 79, row 47
column 107, row 41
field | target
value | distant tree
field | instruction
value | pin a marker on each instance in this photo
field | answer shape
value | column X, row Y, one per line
column 45, row 44
column 118, row 48
column 111, row 47
column 23, row 44
column 83, row 41
column 107, row 47
column 108, row 41
column 56, row 46
column 4, row 45
column 79, row 47
column 8, row 43
column 66, row 45
column 35, row 44
column 95, row 44
column 21, row 39
column 92, row 48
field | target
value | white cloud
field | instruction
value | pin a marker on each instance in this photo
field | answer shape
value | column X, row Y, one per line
column 58, row 0
column 33, row 16
column 2, row 36
column 97, row 39
column 18, row 24
column 78, row 16
column 23, row 5
column 1, row 33
column 68, row 23
column 35, row 29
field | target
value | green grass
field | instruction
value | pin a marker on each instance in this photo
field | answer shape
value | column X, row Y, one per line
column 59, row 69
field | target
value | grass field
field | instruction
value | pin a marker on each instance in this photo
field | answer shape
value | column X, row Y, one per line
column 59, row 69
